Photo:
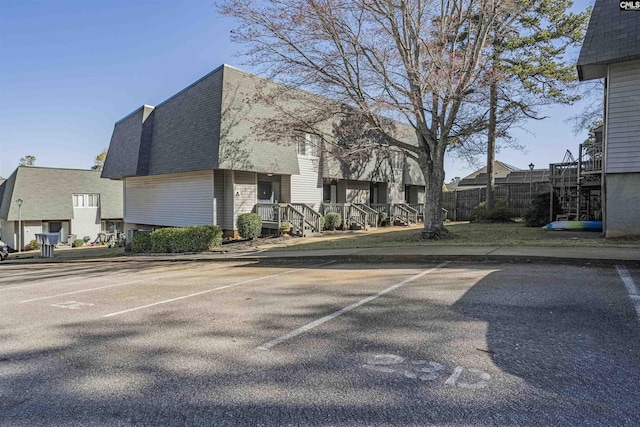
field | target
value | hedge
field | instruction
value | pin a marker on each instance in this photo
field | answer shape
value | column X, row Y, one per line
column 197, row 238
column 500, row 212
column 249, row 225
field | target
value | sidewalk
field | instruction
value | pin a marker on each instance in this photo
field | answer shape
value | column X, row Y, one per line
column 512, row 254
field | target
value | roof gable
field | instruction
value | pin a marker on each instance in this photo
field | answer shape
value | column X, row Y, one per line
column 613, row 35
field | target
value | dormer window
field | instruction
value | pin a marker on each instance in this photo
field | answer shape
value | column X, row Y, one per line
column 308, row 145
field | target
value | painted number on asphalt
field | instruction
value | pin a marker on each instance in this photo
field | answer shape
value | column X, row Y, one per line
column 72, row 305
column 424, row 370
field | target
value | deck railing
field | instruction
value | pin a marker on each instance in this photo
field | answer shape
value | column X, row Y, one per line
column 301, row 217
column 311, row 216
column 419, row 207
column 372, row 214
column 404, row 213
column 590, row 159
column 380, row 208
column 350, row 213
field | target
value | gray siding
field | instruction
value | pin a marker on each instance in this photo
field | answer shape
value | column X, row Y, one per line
column 229, row 197
column 623, row 126
column 305, row 187
column 285, row 188
column 218, row 196
column 176, row 200
column 357, row 192
column 395, row 192
column 245, row 195
column 623, row 205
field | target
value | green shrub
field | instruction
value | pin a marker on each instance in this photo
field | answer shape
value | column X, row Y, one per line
column 77, row 243
column 499, row 213
column 33, row 245
column 383, row 217
column 249, row 225
column 332, row 220
column 141, row 242
column 322, row 220
column 197, row 238
column 540, row 211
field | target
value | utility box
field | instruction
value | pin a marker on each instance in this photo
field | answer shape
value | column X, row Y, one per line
column 47, row 242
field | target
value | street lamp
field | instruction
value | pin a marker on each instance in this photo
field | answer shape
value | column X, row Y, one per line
column 531, row 166
column 19, row 202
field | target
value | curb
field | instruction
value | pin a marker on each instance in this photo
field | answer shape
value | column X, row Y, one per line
column 514, row 259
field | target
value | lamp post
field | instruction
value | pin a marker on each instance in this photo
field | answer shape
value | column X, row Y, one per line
column 19, row 202
column 531, row 166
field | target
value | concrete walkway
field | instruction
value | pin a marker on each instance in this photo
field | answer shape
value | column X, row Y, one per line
column 556, row 255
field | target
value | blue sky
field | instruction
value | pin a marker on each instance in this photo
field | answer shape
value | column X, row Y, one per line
column 69, row 69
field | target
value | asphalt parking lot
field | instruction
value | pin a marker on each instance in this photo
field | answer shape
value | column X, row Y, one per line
column 246, row 343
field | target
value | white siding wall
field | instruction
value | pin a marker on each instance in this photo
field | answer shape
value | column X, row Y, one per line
column 176, row 200
column 9, row 236
column 305, row 188
column 357, row 192
column 245, row 194
column 86, row 222
column 30, row 228
column 623, row 125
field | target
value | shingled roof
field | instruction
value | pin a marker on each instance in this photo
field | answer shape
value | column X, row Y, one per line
column 207, row 125
column 218, row 123
column 47, row 192
column 613, row 36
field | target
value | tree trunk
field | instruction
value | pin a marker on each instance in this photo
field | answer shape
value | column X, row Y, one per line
column 433, row 172
column 491, row 142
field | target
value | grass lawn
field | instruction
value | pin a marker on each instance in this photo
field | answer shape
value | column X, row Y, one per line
column 465, row 234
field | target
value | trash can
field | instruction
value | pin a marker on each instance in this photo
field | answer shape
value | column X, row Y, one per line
column 47, row 242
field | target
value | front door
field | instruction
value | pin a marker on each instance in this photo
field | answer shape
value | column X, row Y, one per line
column 55, row 227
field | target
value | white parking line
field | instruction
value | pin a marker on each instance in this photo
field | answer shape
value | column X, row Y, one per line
column 632, row 289
column 347, row 309
column 117, row 284
column 46, row 280
column 41, row 274
column 211, row 290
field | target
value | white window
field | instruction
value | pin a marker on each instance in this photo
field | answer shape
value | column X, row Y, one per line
column 308, row 145
column 78, row 200
column 86, row 200
column 92, row 200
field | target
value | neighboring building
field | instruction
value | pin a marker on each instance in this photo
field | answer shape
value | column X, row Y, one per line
column 504, row 174
column 611, row 50
column 211, row 152
column 66, row 201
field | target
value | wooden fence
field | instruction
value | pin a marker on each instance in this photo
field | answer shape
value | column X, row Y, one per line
column 461, row 203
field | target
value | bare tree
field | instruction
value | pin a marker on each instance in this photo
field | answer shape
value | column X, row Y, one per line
column 593, row 112
column 419, row 62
